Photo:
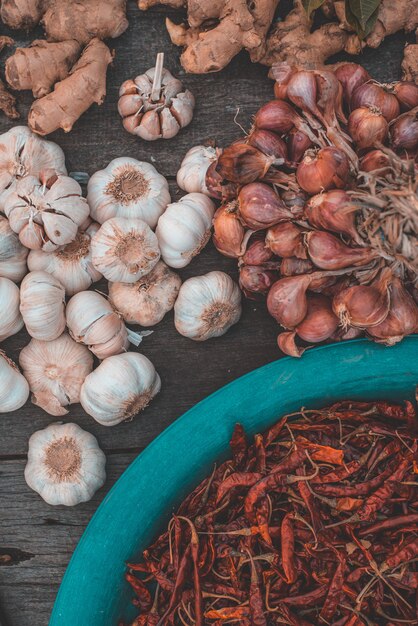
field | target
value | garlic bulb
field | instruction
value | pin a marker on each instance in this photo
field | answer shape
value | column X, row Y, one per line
column 55, row 371
column 192, row 173
column 128, row 188
column 46, row 214
column 184, row 229
column 92, row 320
column 14, row 388
column 22, row 153
column 149, row 299
column 207, row 306
column 154, row 105
column 11, row 320
column 124, row 250
column 42, row 303
column 119, row 388
column 65, row 464
column 72, row 264
column 12, row 253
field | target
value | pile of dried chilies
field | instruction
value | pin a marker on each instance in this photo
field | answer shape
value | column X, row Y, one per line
column 320, row 206
column 315, row 522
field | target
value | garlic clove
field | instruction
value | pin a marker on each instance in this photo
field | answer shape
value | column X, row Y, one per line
column 128, row 188
column 191, row 176
column 12, row 253
column 55, row 371
column 146, row 301
column 14, row 388
column 127, row 383
column 129, row 104
column 169, row 125
column 184, row 229
column 42, row 304
column 150, row 127
column 207, row 306
column 11, row 320
column 182, row 107
column 65, row 464
column 72, row 264
column 59, row 228
column 124, row 250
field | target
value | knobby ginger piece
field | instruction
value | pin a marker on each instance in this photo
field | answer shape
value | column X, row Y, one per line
column 239, row 24
column 39, row 66
column 7, row 100
column 72, row 19
column 410, row 63
column 71, row 97
column 23, row 14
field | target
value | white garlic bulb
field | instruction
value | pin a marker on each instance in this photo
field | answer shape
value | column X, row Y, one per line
column 11, row 320
column 149, row 299
column 207, row 306
column 119, row 388
column 12, row 253
column 42, row 304
column 124, row 249
column 192, row 173
column 128, row 188
column 184, row 229
column 23, row 153
column 65, row 464
column 46, row 214
column 72, row 264
column 55, row 371
column 92, row 320
column 14, row 388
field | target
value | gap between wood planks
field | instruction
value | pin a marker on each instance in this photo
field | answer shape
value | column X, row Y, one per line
column 129, row 450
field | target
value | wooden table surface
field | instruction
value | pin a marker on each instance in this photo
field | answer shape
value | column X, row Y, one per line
column 37, row 540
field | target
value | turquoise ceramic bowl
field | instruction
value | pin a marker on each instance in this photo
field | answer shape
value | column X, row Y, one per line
column 93, row 592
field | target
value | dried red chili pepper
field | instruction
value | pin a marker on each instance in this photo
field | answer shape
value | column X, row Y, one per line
column 287, row 540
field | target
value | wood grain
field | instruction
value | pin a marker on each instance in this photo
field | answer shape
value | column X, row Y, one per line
column 40, row 538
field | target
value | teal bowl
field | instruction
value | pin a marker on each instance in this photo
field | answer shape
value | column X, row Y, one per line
column 93, row 591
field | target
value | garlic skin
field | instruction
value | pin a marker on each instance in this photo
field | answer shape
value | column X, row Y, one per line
column 11, row 320
column 191, row 176
column 12, row 254
column 14, row 388
column 185, row 228
column 65, row 464
column 42, row 305
column 128, row 188
column 55, row 371
column 23, row 153
column 91, row 320
column 127, row 383
column 148, row 300
column 46, row 214
column 207, row 306
column 124, row 250
column 72, row 264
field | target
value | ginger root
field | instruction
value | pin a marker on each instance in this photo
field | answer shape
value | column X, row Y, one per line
column 239, row 24
column 71, row 97
column 410, row 63
column 39, row 66
column 23, row 14
column 72, row 19
column 7, row 100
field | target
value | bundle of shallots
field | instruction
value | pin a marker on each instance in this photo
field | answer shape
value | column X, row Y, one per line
column 320, row 206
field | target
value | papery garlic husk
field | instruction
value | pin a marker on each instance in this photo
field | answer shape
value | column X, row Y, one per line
column 14, row 388
column 124, row 250
column 149, row 299
column 402, row 319
column 65, row 464
column 320, row 321
column 23, row 153
column 191, row 176
column 207, row 306
column 12, row 253
column 126, row 382
column 55, row 371
column 128, row 188
column 228, row 233
column 42, row 305
column 46, row 214
column 91, row 320
column 11, row 320
column 364, row 306
column 72, row 264
column 184, row 229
